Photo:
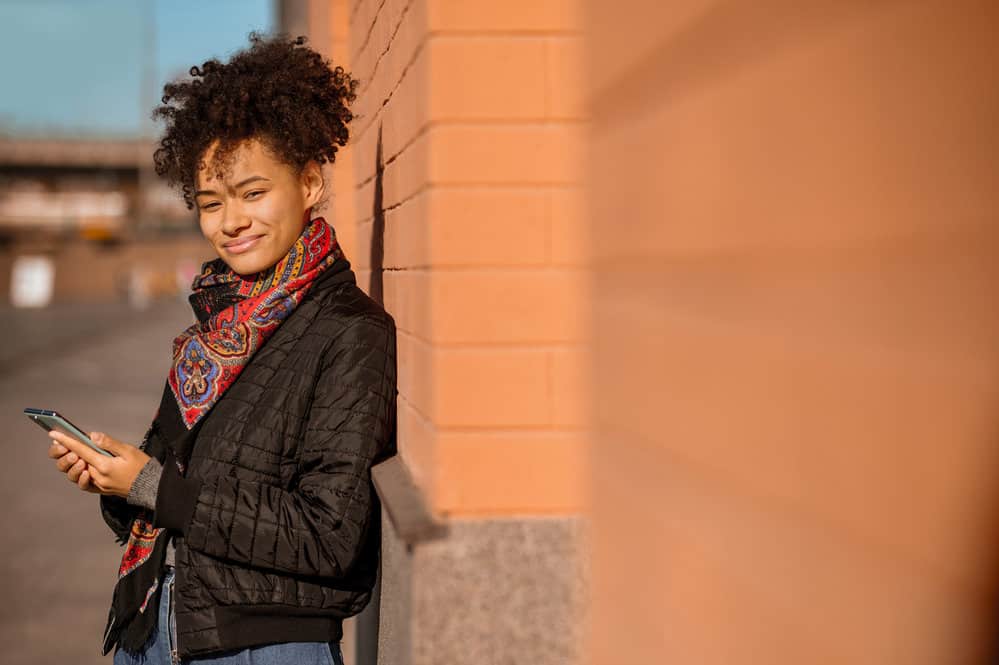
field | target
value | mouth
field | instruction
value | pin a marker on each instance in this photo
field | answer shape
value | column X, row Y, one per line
column 241, row 245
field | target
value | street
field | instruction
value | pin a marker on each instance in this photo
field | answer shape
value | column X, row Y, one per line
column 103, row 368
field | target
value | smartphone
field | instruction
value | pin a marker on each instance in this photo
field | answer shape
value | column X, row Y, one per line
column 53, row 420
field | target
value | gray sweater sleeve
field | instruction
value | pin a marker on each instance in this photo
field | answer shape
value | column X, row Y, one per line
column 143, row 490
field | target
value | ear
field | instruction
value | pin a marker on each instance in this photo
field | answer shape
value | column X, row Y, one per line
column 313, row 183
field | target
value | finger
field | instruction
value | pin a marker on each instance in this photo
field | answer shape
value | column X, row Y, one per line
column 90, row 486
column 86, row 453
column 108, row 443
column 97, row 477
column 75, row 470
column 84, row 481
column 64, row 463
column 57, row 449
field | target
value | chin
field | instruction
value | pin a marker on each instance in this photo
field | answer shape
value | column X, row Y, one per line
column 247, row 267
column 243, row 265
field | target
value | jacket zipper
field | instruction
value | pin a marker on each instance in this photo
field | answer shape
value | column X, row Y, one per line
column 172, row 624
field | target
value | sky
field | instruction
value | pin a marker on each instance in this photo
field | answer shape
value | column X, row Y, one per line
column 77, row 67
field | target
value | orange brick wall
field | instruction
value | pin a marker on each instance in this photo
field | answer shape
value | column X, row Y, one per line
column 330, row 33
column 474, row 109
column 795, row 298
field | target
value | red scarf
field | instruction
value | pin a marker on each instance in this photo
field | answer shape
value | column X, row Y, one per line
column 237, row 314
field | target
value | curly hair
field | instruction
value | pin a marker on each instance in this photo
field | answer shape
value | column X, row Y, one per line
column 278, row 91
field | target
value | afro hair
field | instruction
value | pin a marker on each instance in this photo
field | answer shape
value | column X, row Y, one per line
column 277, row 90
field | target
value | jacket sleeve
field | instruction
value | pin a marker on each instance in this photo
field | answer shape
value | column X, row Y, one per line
column 316, row 528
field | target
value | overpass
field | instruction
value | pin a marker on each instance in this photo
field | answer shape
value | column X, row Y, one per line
column 80, row 186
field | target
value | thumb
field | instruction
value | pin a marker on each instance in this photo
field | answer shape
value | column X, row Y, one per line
column 105, row 442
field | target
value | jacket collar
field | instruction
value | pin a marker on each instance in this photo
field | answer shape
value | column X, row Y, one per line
column 339, row 271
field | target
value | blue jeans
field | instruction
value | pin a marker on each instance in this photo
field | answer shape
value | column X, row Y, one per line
column 160, row 650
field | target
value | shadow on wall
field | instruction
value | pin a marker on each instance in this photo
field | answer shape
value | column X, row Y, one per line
column 375, row 289
column 368, row 620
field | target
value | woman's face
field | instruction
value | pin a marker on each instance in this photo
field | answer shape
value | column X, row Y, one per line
column 257, row 212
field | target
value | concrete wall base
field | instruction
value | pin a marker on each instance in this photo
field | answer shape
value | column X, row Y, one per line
column 495, row 591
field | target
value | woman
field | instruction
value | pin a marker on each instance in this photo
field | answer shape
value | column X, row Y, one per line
column 250, row 521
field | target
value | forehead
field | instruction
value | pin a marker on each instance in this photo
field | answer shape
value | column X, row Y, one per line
column 249, row 157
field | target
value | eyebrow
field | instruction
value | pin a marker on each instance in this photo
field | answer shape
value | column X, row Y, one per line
column 252, row 178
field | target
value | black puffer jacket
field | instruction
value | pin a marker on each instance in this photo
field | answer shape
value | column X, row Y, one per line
column 280, row 520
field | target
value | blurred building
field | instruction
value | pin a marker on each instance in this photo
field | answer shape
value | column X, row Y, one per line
column 94, row 208
column 795, row 323
column 83, row 187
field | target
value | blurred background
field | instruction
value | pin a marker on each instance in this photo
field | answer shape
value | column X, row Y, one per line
column 96, row 259
column 696, row 307
column 83, row 216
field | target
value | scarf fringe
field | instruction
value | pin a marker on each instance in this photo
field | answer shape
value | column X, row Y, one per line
column 127, row 626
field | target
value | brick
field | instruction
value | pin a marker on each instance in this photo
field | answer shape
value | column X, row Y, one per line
column 565, row 82
column 499, row 387
column 407, row 297
column 398, row 129
column 406, row 234
column 361, row 257
column 383, row 72
column 497, row 306
column 468, row 226
column 505, row 154
column 354, row 12
column 510, row 16
column 501, row 473
column 487, row 226
column 417, row 443
column 570, row 232
column 401, row 180
column 364, row 26
column 487, row 78
column 570, row 387
column 415, row 362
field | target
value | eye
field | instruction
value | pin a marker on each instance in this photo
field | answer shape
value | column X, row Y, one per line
column 211, row 206
column 254, row 193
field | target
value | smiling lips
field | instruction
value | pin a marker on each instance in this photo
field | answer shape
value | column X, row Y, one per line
column 242, row 245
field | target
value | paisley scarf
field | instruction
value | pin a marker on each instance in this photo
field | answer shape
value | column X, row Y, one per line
column 235, row 316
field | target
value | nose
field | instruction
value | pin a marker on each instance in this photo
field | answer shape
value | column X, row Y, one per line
column 233, row 220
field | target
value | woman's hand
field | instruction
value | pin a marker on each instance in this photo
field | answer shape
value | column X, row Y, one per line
column 94, row 472
column 70, row 463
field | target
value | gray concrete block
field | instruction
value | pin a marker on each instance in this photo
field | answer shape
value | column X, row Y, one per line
column 493, row 591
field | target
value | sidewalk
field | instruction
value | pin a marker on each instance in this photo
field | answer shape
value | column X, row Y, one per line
column 103, row 367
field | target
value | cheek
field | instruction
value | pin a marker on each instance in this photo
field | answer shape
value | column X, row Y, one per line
column 277, row 213
column 270, row 209
column 207, row 228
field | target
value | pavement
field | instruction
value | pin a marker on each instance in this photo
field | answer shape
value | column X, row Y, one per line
column 103, row 367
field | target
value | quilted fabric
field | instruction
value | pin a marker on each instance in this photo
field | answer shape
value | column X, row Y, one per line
column 286, row 519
